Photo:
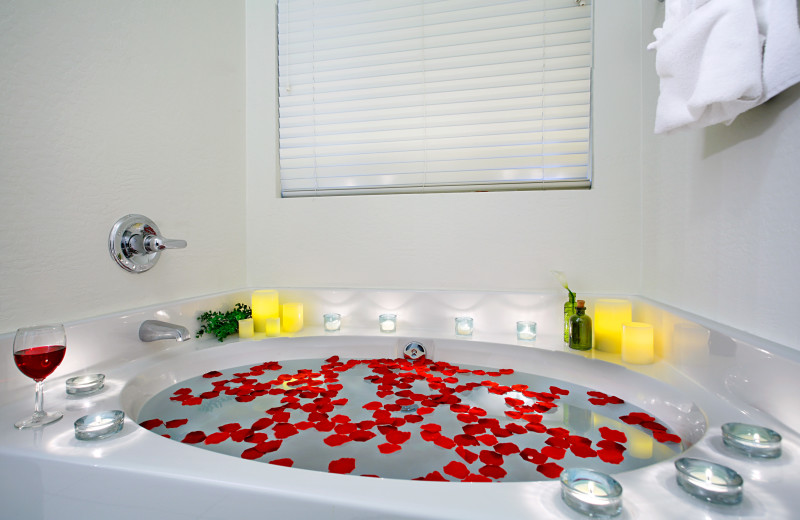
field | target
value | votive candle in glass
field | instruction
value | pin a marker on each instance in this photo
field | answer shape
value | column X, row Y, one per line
column 590, row 492
column 637, row 343
column 264, row 304
column 246, row 328
column 292, row 317
column 609, row 315
column 464, row 326
column 272, row 327
column 709, row 481
column 526, row 330
column 387, row 323
column 752, row 440
column 332, row 322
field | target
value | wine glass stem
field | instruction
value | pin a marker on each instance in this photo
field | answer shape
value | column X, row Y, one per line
column 38, row 406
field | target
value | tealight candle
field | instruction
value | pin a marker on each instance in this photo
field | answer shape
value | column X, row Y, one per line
column 99, row 425
column 85, row 385
column 332, row 322
column 387, row 322
column 526, row 330
column 590, row 492
column 709, row 481
column 246, row 328
column 609, row 315
column 272, row 327
column 464, row 326
column 637, row 343
column 264, row 304
column 291, row 317
column 751, row 440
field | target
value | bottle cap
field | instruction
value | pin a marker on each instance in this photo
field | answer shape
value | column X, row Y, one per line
column 580, row 303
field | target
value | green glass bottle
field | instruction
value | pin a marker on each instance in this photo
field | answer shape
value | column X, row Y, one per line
column 580, row 328
column 569, row 310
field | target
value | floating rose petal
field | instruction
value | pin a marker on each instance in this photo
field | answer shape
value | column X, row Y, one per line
column 653, row 426
column 506, row 448
column 612, row 435
column 495, row 472
column 345, row 428
column 269, row 446
column 192, row 401
column 444, row 442
column 336, row 440
column 388, row 447
column 217, row 437
column 610, row 456
column 398, row 437
column 558, row 432
column 531, row 455
column 423, row 410
column 251, row 454
column 434, row 476
column 194, row 437
column 212, row 374
column 456, row 469
column 151, row 423
column 362, row 435
column 491, row 458
column 283, row 462
column 176, row 423
column 284, row 430
column 550, row 469
column 343, row 466
column 324, row 426
column 558, row 442
column 487, row 439
column 661, row 436
column 582, row 450
column 466, row 417
column 241, row 435
column 466, row 440
column 551, row 452
column 373, row 405
column 536, row 427
column 256, row 438
column 467, row 455
column 230, row 427
column 611, row 445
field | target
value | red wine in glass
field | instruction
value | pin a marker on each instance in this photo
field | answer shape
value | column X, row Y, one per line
column 37, row 353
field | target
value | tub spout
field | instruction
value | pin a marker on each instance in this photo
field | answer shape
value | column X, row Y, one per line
column 152, row 330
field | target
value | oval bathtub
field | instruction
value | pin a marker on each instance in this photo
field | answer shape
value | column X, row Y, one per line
column 203, row 483
column 424, row 419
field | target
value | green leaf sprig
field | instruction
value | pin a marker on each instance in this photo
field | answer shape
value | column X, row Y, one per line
column 223, row 324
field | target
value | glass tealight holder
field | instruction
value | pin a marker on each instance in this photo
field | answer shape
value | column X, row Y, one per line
column 709, row 481
column 752, row 440
column 464, row 326
column 332, row 322
column 85, row 385
column 591, row 493
column 526, row 330
column 387, row 323
column 99, row 425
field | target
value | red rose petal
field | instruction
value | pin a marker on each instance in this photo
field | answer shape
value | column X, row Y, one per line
column 445, row 442
column 212, row 374
column 284, row 430
column 231, row 427
column 456, row 469
column 533, row 456
column 398, row 437
column 283, row 462
column 176, row 423
column 506, row 448
column 388, row 447
column 194, row 437
column 612, row 435
column 343, row 466
column 217, row 437
column 434, row 476
column 610, row 456
column 491, row 458
column 374, row 405
column 430, row 427
column 251, row 454
column 362, row 435
column 558, row 442
column 582, row 450
column 487, row 439
column 495, row 472
column 551, row 452
column 467, row 455
column 662, row 436
column 150, row 424
column 269, row 446
column 336, row 440
column 550, row 469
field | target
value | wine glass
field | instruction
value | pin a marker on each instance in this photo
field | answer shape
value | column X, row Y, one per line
column 37, row 352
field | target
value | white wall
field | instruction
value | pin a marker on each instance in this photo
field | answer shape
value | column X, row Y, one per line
column 721, row 212
column 482, row 241
column 109, row 108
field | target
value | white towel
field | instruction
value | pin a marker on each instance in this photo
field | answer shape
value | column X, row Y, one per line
column 780, row 28
column 709, row 62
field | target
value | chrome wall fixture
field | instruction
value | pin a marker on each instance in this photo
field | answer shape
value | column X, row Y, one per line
column 135, row 243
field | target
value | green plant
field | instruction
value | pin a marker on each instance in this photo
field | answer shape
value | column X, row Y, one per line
column 223, row 324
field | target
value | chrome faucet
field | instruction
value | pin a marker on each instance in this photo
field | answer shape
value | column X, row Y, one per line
column 152, row 330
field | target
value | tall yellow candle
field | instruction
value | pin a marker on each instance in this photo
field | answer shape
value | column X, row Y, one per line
column 609, row 315
column 637, row 343
column 272, row 327
column 246, row 328
column 264, row 304
column 291, row 317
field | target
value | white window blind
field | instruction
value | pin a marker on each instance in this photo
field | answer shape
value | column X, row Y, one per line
column 386, row 96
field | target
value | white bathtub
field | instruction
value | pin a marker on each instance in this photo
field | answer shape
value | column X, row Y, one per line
column 135, row 474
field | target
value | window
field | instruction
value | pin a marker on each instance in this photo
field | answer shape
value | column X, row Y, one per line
column 392, row 96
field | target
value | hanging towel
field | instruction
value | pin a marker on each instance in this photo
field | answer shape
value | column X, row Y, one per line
column 708, row 59
column 779, row 26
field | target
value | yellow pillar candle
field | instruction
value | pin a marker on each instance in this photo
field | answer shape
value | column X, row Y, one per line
column 609, row 315
column 272, row 326
column 637, row 343
column 246, row 328
column 264, row 305
column 291, row 317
